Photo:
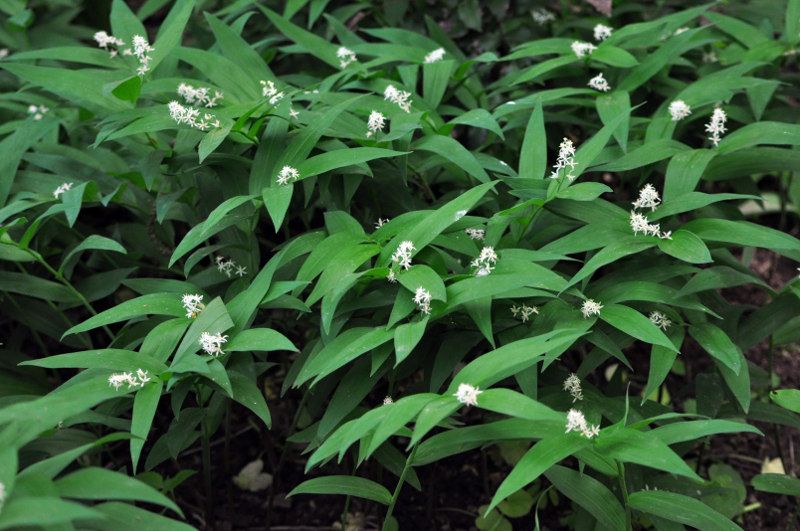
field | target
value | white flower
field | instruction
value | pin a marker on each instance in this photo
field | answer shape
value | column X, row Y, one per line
column 140, row 49
column 212, row 344
column 573, row 385
column 198, row 95
column 380, row 223
column 566, row 153
column 524, row 312
column 577, row 422
column 422, row 298
column 3, row 54
column 639, row 223
column 38, row 112
column 660, row 320
column 679, row 110
column 293, row 113
column 190, row 115
column 590, row 307
column 346, row 56
column 598, row 82
column 460, row 214
column 542, row 16
column 400, row 97
column 485, row 262
column 602, row 32
column 403, row 254
column 475, row 234
column 2, row 494
column 143, row 377
column 388, row 400
column 467, row 394
column 241, row 271
column 583, row 48
column 193, row 304
column 390, row 277
column 117, row 380
column 286, row 174
column 104, row 40
column 710, row 57
column 436, row 55
column 717, row 125
column 268, row 90
column 61, row 189
column 648, row 198
column 374, row 123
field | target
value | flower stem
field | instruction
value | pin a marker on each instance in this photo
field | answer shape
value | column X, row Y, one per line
column 399, row 486
column 624, row 488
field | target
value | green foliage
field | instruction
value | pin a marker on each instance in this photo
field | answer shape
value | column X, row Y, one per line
column 328, row 212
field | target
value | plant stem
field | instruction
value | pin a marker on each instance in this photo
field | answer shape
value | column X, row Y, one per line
column 794, row 518
column 399, row 486
column 209, row 517
column 624, row 488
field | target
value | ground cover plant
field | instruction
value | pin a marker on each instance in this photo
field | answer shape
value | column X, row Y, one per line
column 375, row 239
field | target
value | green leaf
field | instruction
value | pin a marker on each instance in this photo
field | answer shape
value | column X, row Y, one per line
column 94, row 483
column 684, row 172
column 23, row 512
column 777, row 483
column 152, row 304
column 787, row 398
column 247, row 393
column 347, row 485
column 718, row 345
column 452, row 150
column 435, row 77
column 15, row 145
column 745, row 233
column 643, row 448
column 421, row 275
column 200, row 233
column 609, row 106
column 514, row 404
column 111, row 359
column 93, row 241
column 479, row 118
column 33, row 286
column 259, row 339
column 589, row 494
column 128, row 517
column 680, row 508
column 341, row 158
column 344, row 262
column 613, row 56
column 396, row 416
column 144, row 410
column 238, row 50
column 677, row 432
column 635, row 324
column 311, row 43
column 685, row 246
column 406, row 337
column 776, row 133
column 533, row 162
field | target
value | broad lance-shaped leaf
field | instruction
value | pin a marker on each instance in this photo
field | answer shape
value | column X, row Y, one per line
column 341, row 158
column 635, row 324
column 345, row 485
column 718, row 345
column 680, row 508
column 590, row 494
column 452, row 150
column 152, row 304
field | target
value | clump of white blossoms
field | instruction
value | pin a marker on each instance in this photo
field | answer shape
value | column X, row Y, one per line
column 422, row 298
column 38, row 112
column 566, row 154
column 346, row 56
column 717, row 125
column 387, row 401
column 287, row 174
column 212, row 344
column 678, row 110
column 598, row 82
column 199, row 95
column 583, row 48
column 229, row 267
column 193, row 304
column 104, row 40
column 475, row 234
column 602, row 32
column 577, row 422
column 140, row 49
column 573, row 385
column 116, row 380
column 381, row 222
column 61, row 190
column 660, row 320
column 191, row 116
column 399, row 97
column 436, row 55
column 542, row 16
column 524, row 312
column 485, row 262
column 268, row 90
column 648, row 198
column 375, row 123
column 402, row 256
column 590, row 307
column 467, row 394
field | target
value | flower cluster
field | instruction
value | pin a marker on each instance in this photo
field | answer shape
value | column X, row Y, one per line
column 104, row 40
column 577, row 422
column 475, row 234
column 346, row 56
column 375, row 123
column 198, row 95
column 140, row 49
column 422, row 298
column 62, row 189
column 566, row 154
column 542, row 16
column 286, row 174
column 212, row 344
column 524, row 312
column 583, row 48
column 268, row 90
column 3, row 54
column 400, row 97
column 381, row 222
column 678, row 110
column 38, row 112
column 436, row 55
column 602, row 32
column 467, row 394
column 403, row 254
column 717, row 125
column 228, row 266
column 648, row 198
column 387, row 401
column 573, row 385
column 191, row 116
column 660, row 320
column 484, row 262
column 589, row 307
column 193, row 304
column 598, row 82
column 117, row 379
